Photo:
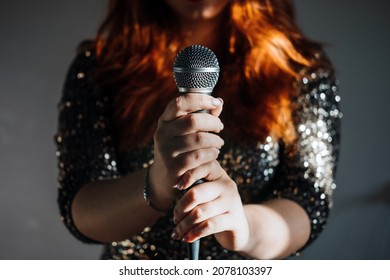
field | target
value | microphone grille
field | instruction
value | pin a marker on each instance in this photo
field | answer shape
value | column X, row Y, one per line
column 196, row 68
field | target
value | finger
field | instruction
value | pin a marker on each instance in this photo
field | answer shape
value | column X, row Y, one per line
column 208, row 227
column 218, row 110
column 198, row 215
column 189, row 103
column 210, row 171
column 192, row 123
column 197, row 195
column 193, row 159
column 195, row 141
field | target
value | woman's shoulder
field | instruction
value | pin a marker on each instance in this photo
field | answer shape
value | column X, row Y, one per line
column 86, row 45
column 318, row 87
column 320, row 70
column 85, row 56
column 80, row 74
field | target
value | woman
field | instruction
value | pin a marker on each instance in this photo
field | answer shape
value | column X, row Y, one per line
column 128, row 145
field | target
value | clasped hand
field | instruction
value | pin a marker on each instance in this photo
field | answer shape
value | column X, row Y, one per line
column 186, row 147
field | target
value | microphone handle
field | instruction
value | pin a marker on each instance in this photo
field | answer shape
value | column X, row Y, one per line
column 193, row 248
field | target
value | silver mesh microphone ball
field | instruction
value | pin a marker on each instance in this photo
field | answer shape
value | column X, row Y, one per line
column 196, row 70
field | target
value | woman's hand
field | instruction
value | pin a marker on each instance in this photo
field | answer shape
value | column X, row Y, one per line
column 212, row 207
column 182, row 142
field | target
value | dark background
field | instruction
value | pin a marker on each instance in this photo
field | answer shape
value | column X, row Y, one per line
column 37, row 43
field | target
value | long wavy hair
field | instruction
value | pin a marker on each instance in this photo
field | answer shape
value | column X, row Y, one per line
column 264, row 51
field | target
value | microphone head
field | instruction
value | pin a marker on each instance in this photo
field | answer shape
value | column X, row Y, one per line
column 196, row 69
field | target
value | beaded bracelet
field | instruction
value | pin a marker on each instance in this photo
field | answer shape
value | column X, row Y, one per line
column 148, row 193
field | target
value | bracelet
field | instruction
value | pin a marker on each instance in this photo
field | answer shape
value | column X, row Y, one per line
column 148, row 193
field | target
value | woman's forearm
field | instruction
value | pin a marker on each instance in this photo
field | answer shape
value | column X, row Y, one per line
column 113, row 209
column 278, row 228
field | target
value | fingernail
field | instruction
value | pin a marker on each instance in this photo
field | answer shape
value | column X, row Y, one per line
column 216, row 102
column 175, row 221
column 184, row 239
column 180, row 184
column 174, row 235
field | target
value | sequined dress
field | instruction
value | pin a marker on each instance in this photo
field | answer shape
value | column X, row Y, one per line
column 303, row 171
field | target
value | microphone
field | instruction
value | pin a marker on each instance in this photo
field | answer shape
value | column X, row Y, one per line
column 196, row 70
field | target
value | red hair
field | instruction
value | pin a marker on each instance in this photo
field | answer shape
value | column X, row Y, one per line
column 136, row 46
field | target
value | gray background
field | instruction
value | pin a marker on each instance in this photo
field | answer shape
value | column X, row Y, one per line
column 37, row 42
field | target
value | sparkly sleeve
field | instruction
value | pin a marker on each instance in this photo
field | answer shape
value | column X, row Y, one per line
column 84, row 149
column 307, row 167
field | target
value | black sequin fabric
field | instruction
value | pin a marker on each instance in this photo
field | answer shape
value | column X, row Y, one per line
column 303, row 171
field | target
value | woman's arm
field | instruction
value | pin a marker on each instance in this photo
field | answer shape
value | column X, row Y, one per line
column 305, row 180
column 278, row 228
column 96, row 203
column 113, row 209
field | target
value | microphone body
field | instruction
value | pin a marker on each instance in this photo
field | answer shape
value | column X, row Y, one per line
column 196, row 70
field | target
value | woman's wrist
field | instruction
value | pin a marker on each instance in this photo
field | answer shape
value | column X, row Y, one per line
column 154, row 196
column 148, row 193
